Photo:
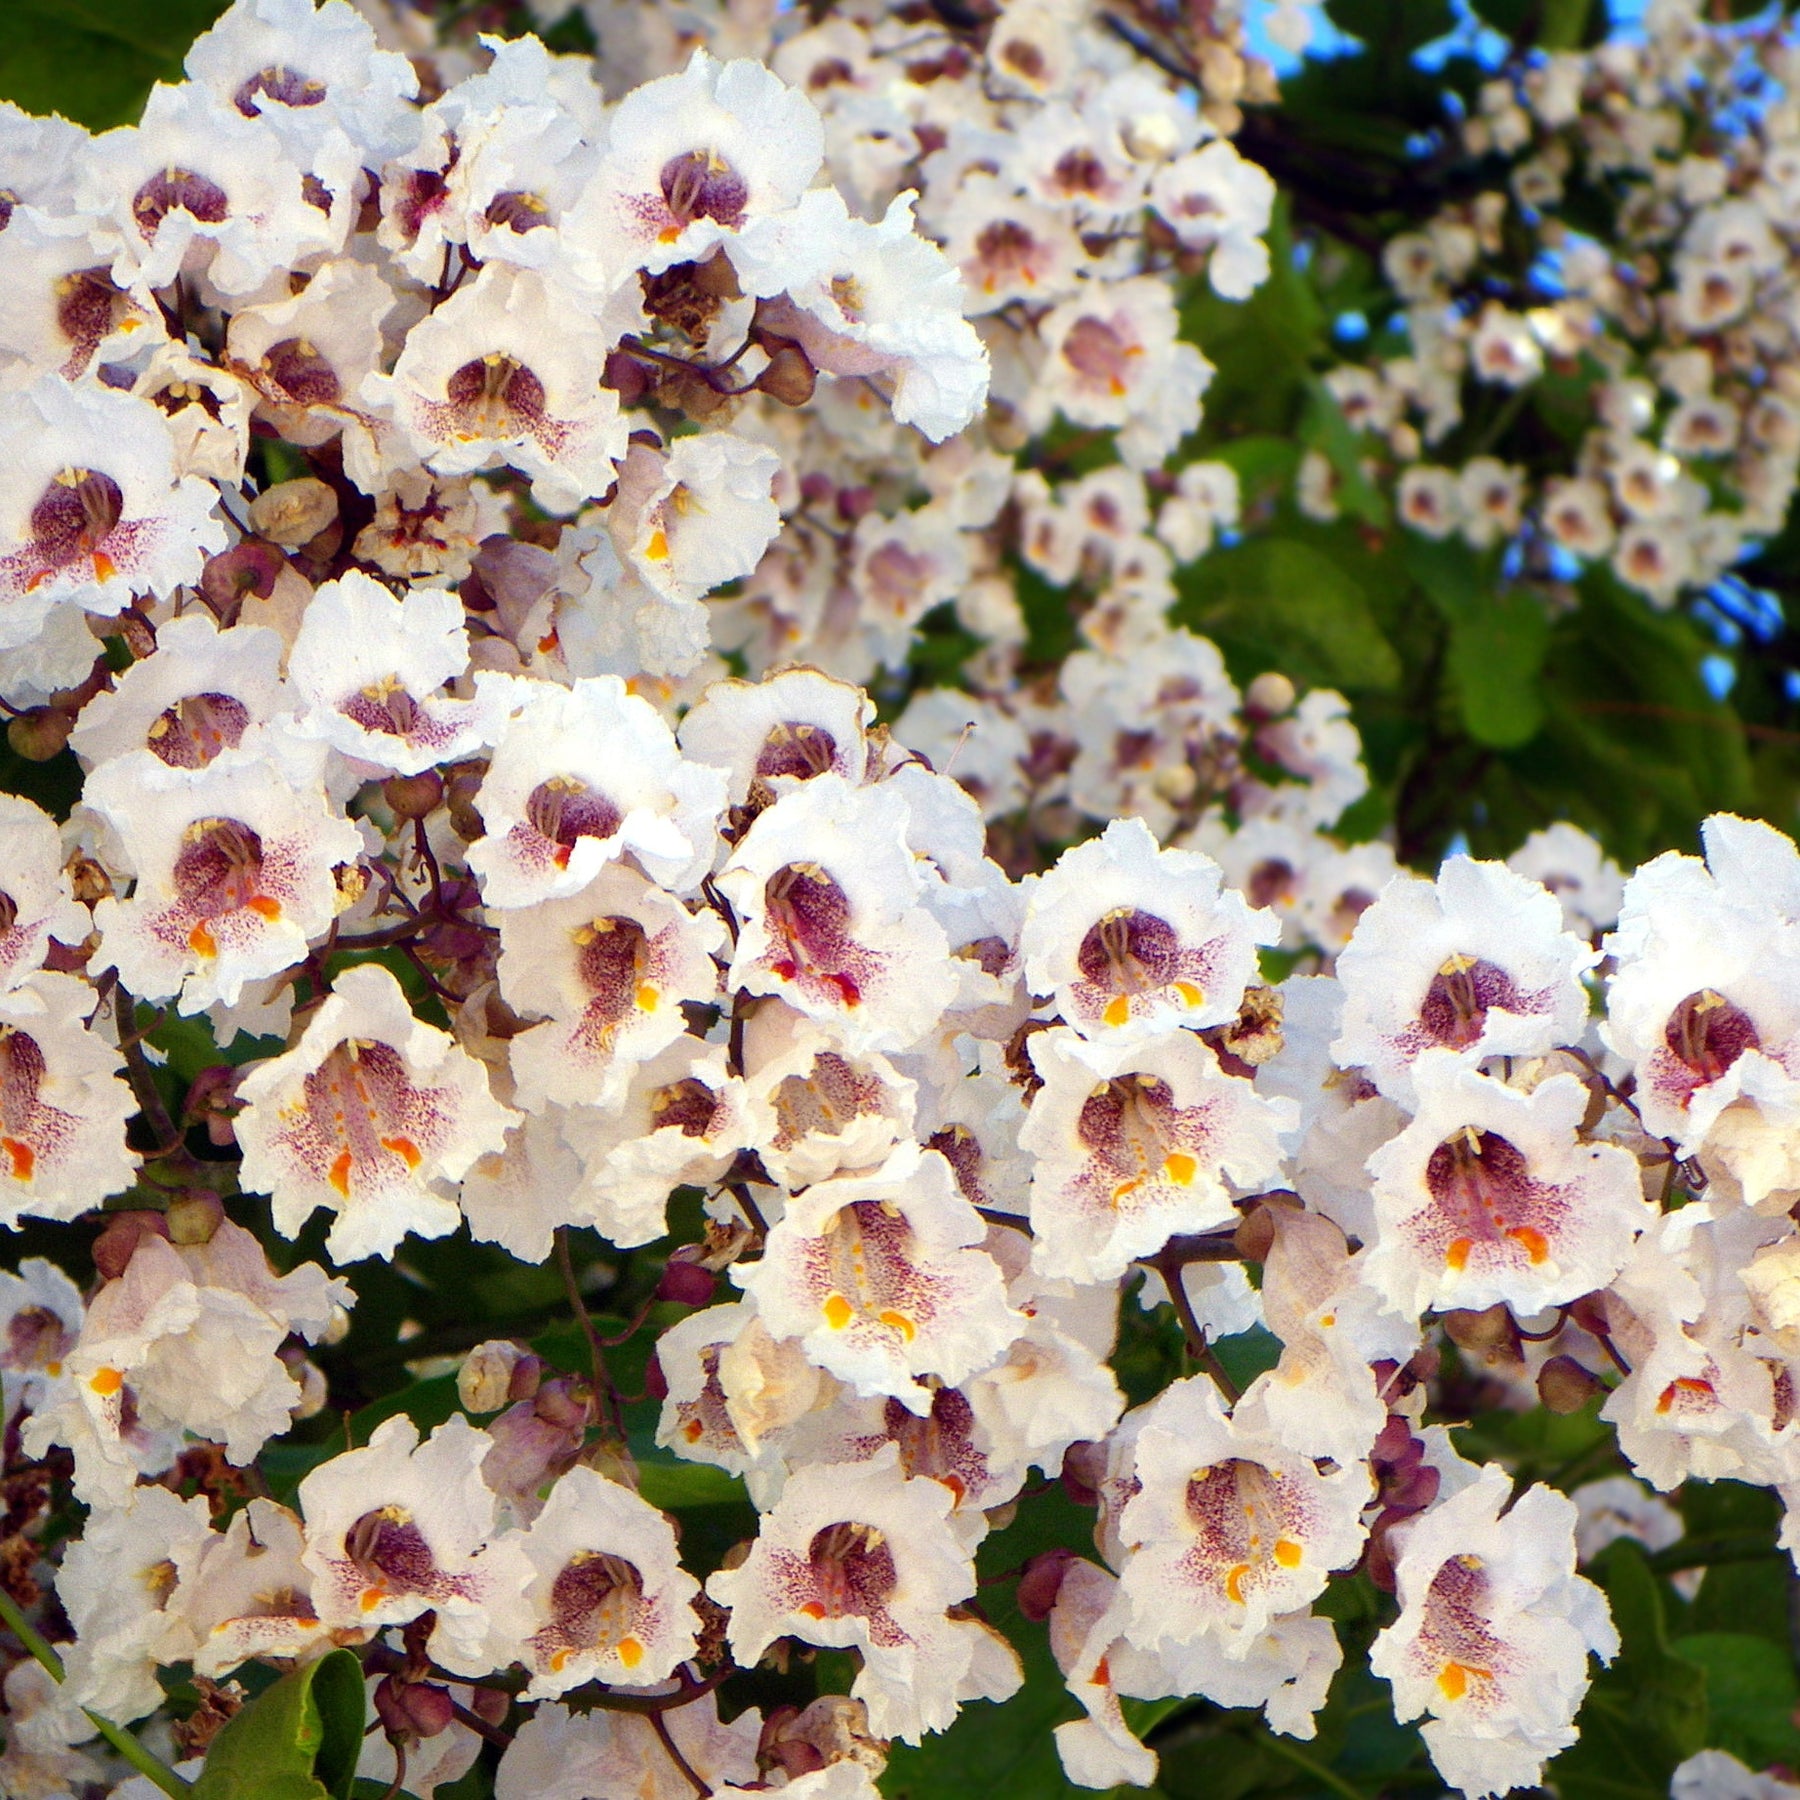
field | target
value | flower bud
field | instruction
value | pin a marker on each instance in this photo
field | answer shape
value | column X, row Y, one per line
column 39, row 734
column 194, row 1215
column 292, row 513
column 115, row 1246
column 486, row 1379
column 1565, row 1386
column 412, row 1710
column 686, row 1283
column 413, row 796
column 626, row 376
column 1269, row 695
column 229, row 578
column 790, row 376
column 1041, row 1580
column 656, row 1383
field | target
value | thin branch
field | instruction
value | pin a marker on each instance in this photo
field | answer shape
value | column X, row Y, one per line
column 660, row 1726
column 603, row 1382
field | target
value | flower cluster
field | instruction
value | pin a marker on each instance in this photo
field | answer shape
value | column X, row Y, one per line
column 1672, row 321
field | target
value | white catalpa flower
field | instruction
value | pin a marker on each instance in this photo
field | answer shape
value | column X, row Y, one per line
column 855, row 1555
column 1230, row 1527
column 1113, row 359
column 774, row 734
column 246, row 1592
column 581, row 776
column 881, row 1278
column 37, row 902
column 62, row 1105
column 1578, row 872
column 813, row 1110
column 696, row 516
column 186, row 1340
column 1131, row 939
column 680, row 1123
column 40, row 1321
column 196, row 694
column 234, row 866
column 1135, row 1143
column 115, row 1584
column 373, row 1115
column 516, row 1196
column 1489, row 1196
column 733, row 1387
column 870, row 300
column 1217, row 201
column 1476, row 962
column 609, row 968
column 304, row 357
column 308, row 70
column 691, row 159
column 828, row 900
column 91, row 509
column 1704, row 1004
column 199, row 187
column 1494, row 1634
column 367, row 669
column 507, row 371
column 397, row 1528
column 63, row 310
column 608, row 1598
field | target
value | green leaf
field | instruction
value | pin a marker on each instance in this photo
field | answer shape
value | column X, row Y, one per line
column 298, row 1740
column 1498, row 640
column 1395, row 27
column 1276, row 602
column 1751, row 1691
column 95, row 60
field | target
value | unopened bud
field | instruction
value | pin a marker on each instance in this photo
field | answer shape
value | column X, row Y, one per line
column 462, row 782
column 1490, row 1329
column 484, row 1382
column 413, row 1709
column 413, row 796
column 231, row 577
column 1269, row 695
column 194, row 1215
column 686, row 1283
column 610, row 1458
column 115, row 1246
column 656, row 1383
column 626, row 376
column 1083, row 1470
column 39, row 734
column 1565, row 1386
column 790, row 376
column 292, row 513
column 1040, row 1581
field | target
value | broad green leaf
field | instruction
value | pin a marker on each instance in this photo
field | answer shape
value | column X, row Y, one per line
column 1394, row 27
column 1750, row 1692
column 1276, row 602
column 298, row 1740
column 95, row 60
column 1493, row 661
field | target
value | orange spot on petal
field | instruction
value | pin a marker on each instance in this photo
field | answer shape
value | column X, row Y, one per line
column 631, row 1652
column 371, row 1597
column 104, row 566
column 899, row 1322
column 21, row 1156
column 813, row 1609
column 340, row 1174
column 1234, row 1583
column 201, row 940
column 106, row 1382
column 1190, row 995
column 1180, row 1167
column 404, row 1148
column 1457, row 1256
column 264, row 906
column 1118, row 1010
column 1287, row 1553
column 1534, row 1243
column 838, row 1311
column 658, row 547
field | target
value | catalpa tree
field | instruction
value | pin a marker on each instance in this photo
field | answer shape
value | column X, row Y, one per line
column 896, row 900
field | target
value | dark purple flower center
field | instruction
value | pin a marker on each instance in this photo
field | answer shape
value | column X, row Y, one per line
column 700, row 184
column 1455, row 1008
column 853, row 1572
column 303, row 375
column 285, row 86
column 189, row 734
column 801, row 751
column 178, row 190
column 1708, row 1033
column 565, row 810
column 688, row 1106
